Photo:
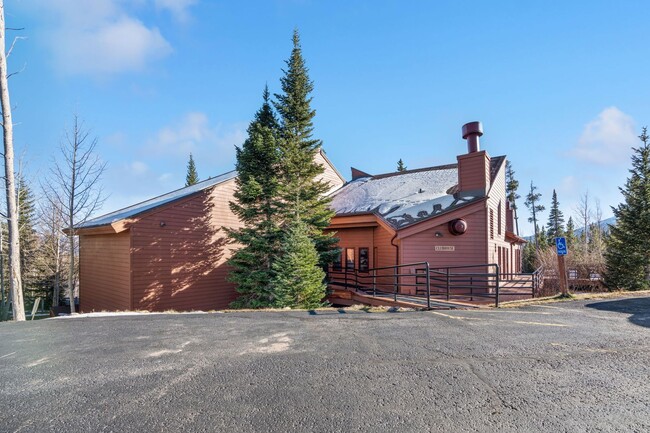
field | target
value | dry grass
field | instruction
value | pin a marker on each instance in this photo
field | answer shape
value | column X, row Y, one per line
column 574, row 297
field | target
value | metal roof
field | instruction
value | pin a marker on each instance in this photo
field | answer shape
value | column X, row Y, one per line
column 155, row 202
column 408, row 197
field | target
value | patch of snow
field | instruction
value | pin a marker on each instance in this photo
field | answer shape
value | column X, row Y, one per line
column 401, row 199
column 120, row 313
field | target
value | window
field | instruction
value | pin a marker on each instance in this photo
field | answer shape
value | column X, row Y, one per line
column 363, row 260
column 349, row 258
column 337, row 262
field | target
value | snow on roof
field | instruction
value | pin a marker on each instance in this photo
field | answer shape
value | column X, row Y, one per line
column 402, row 198
column 136, row 209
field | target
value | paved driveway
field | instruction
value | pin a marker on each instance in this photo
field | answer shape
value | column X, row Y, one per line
column 570, row 367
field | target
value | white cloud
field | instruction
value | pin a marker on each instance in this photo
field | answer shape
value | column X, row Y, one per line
column 138, row 168
column 607, row 139
column 101, row 37
column 194, row 133
column 178, row 8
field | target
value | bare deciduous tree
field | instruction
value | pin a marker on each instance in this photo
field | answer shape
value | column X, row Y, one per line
column 75, row 187
column 15, row 282
column 53, row 243
column 583, row 209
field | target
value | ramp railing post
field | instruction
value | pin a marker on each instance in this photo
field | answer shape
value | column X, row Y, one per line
column 497, row 282
column 428, row 286
column 395, row 283
column 447, row 283
column 374, row 282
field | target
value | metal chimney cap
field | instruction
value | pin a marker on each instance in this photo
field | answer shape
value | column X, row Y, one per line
column 472, row 128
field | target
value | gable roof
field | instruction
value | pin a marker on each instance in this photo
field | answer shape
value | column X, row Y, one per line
column 137, row 209
column 407, row 197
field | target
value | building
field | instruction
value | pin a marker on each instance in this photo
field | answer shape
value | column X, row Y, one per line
column 166, row 253
column 170, row 252
column 449, row 215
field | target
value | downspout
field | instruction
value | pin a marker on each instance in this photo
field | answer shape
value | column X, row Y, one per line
column 396, row 278
column 396, row 249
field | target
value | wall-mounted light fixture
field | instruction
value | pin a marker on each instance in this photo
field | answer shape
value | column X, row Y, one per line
column 439, row 234
column 163, row 223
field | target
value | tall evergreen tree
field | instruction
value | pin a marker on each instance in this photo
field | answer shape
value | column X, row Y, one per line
column 258, row 206
column 571, row 238
column 192, row 177
column 532, row 203
column 401, row 166
column 555, row 224
column 26, row 229
column 301, row 192
column 628, row 253
column 512, row 185
column 298, row 281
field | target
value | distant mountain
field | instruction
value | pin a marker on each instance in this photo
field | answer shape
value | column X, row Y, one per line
column 604, row 224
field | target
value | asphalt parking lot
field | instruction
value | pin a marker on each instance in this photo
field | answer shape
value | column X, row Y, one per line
column 565, row 367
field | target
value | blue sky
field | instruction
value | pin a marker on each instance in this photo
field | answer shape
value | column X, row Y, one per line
column 561, row 87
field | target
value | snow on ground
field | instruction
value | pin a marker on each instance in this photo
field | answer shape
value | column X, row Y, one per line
column 120, row 313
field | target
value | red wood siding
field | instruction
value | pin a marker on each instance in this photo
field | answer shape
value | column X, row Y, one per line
column 386, row 253
column 104, row 272
column 500, row 250
column 329, row 175
column 474, row 172
column 469, row 248
column 356, row 238
column 179, row 254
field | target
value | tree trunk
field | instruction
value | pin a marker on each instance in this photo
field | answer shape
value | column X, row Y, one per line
column 15, row 283
column 71, row 270
column 57, row 273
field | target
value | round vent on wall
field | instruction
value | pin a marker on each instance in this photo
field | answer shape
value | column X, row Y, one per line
column 457, row 227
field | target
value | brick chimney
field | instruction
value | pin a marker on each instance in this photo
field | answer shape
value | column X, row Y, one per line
column 474, row 166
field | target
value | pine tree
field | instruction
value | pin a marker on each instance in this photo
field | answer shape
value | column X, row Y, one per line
column 298, row 280
column 302, row 194
column 401, row 166
column 555, row 224
column 26, row 230
column 628, row 253
column 257, row 205
column 192, row 177
column 512, row 185
column 532, row 203
column 571, row 238
column 529, row 258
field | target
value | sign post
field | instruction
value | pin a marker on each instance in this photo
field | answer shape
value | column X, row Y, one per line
column 562, row 251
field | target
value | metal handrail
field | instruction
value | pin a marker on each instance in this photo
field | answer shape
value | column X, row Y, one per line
column 449, row 282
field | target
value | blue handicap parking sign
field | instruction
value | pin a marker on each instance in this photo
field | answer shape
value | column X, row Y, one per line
column 560, row 246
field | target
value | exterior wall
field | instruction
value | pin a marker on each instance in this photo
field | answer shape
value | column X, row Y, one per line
column 501, row 251
column 468, row 248
column 330, row 175
column 474, row 173
column 386, row 252
column 356, row 238
column 381, row 253
column 104, row 272
column 376, row 239
column 179, row 254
